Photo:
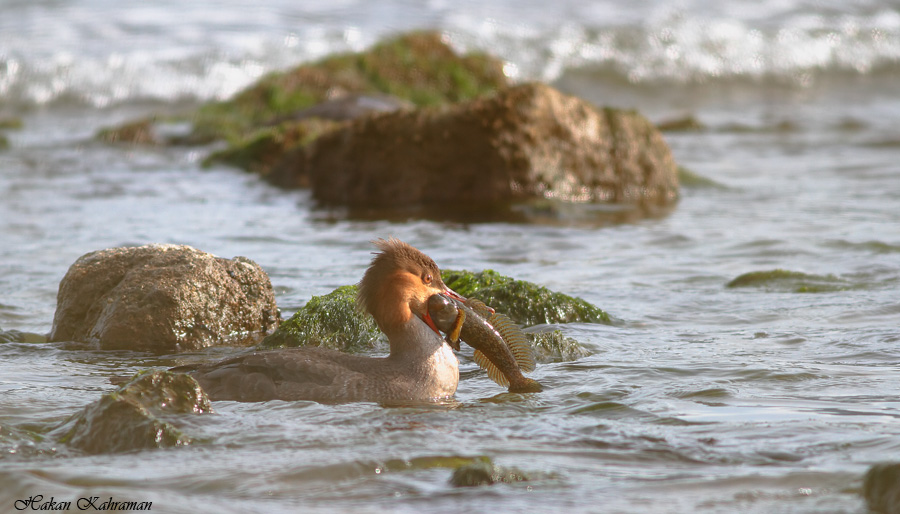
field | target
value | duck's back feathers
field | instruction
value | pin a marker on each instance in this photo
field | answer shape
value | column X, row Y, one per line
column 316, row 374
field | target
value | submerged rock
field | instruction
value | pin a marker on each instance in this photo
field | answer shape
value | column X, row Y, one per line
column 11, row 123
column 689, row 179
column 431, row 462
column 163, row 299
column 526, row 142
column 261, row 150
column 16, row 336
column 792, row 281
column 129, row 418
column 332, row 321
column 688, row 123
column 524, row 302
column 554, row 346
column 467, row 471
column 485, row 472
column 881, row 488
column 8, row 124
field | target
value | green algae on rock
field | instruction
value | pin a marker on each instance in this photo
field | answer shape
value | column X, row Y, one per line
column 431, row 462
column 688, row 123
column 418, row 66
column 688, row 178
column 524, row 302
column 260, row 150
column 129, row 418
column 331, row 321
column 792, row 281
column 485, row 472
column 554, row 346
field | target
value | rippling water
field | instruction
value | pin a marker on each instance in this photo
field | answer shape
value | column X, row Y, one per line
column 700, row 398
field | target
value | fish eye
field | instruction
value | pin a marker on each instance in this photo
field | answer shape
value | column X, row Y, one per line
column 427, row 278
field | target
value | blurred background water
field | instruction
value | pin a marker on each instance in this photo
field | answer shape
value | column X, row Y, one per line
column 699, row 398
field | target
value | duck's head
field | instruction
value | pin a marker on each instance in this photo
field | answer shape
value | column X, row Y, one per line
column 397, row 285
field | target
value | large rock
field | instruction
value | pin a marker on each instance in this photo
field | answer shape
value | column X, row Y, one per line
column 133, row 417
column 881, row 488
column 163, row 299
column 525, row 142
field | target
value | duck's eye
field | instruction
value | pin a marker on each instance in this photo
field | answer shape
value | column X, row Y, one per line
column 427, row 278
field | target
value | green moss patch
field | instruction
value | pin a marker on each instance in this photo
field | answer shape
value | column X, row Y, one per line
column 485, row 473
column 792, row 281
column 332, row 321
column 418, row 66
column 262, row 149
column 553, row 346
column 524, row 302
column 688, row 178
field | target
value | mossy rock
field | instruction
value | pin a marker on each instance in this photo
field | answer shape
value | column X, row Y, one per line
column 554, row 346
column 485, row 472
column 432, row 462
column 128, row 418
column 4, row 142
column 263, row 148
column 524, row 302
column 792, row 281
column 467, row 471
column 689, row 179
column 333, row 321
column 417, row 66
column 688, row 123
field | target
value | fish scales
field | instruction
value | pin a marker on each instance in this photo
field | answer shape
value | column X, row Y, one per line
column 492, row 350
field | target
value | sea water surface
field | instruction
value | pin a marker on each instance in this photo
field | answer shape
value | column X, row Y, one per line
column 699, row 398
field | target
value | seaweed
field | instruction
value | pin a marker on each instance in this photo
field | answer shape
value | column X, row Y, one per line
column 524, row 302
column 332, row 321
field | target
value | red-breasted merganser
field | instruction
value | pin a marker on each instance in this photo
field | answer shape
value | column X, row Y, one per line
column 421, row 365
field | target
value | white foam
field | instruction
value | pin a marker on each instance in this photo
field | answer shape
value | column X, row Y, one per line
column 101, row 52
